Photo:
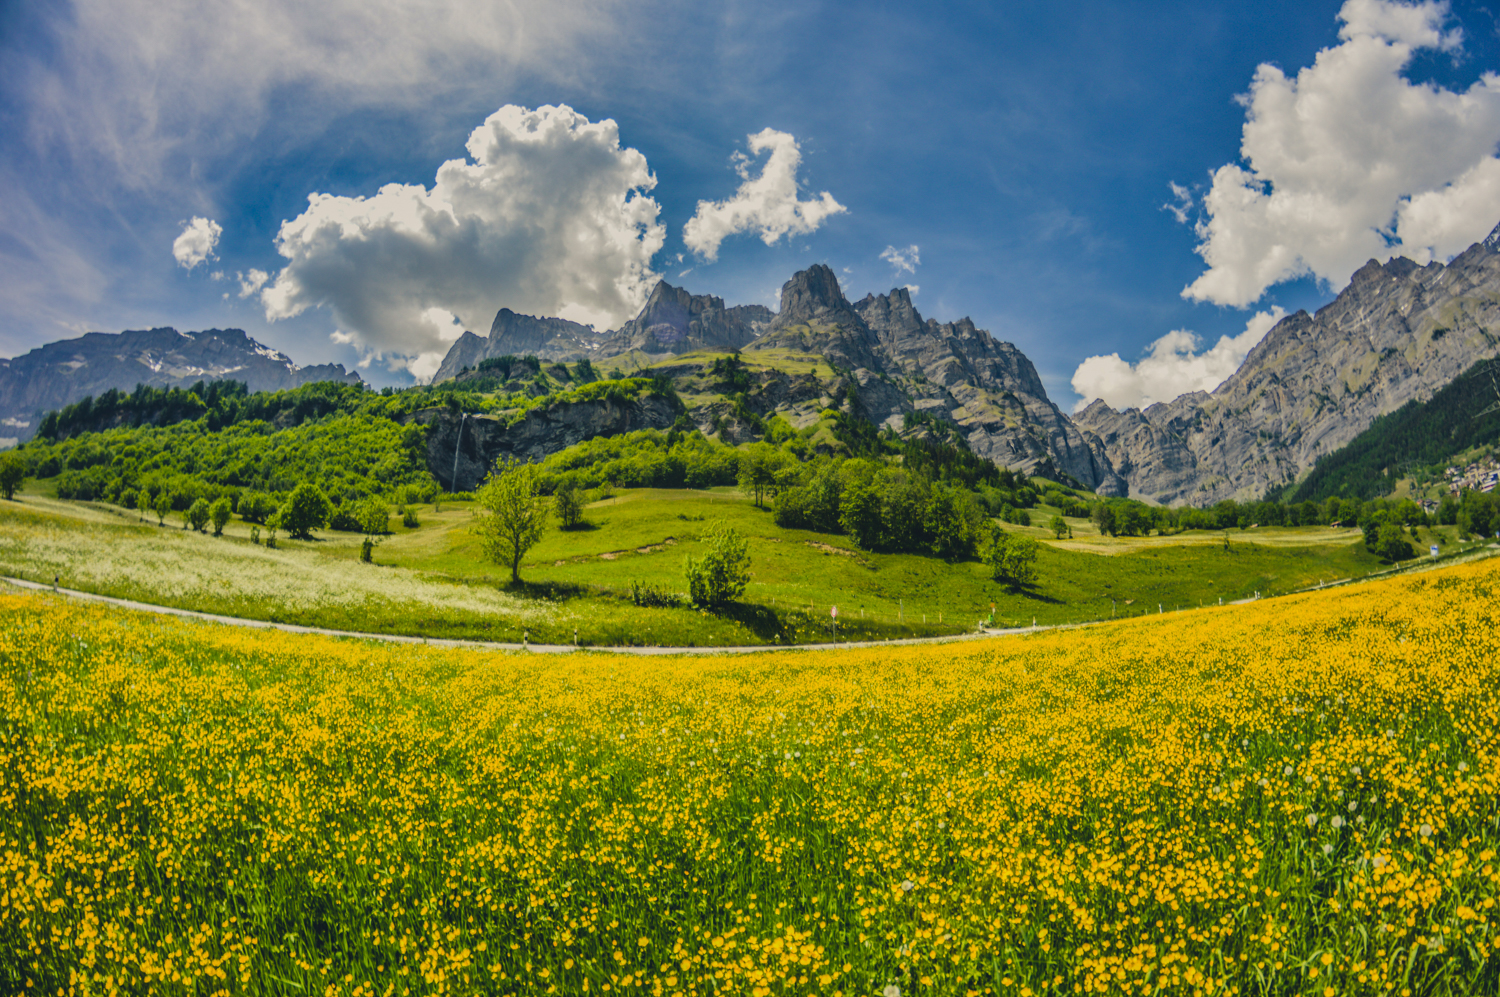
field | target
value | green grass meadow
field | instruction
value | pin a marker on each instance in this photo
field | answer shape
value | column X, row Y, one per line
column 431, row 579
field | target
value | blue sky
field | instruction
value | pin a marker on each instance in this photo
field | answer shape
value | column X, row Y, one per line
column 1028, row 151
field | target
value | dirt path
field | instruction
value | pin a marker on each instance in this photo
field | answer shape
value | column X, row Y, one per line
column 236, row 621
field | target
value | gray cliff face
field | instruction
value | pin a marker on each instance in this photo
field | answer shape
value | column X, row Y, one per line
column 1398, row 332
column 672, row 322
column 899, row 363
column 816, row 318
column 540, row 433
column 675, row 322
column 518, row 336
column 951, row 370
column 66, row 371
column 989, row 388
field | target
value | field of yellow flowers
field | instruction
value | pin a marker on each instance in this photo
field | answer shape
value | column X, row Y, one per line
column 1296, row 797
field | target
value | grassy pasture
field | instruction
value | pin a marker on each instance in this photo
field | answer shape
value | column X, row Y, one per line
column 1293, row 797
column 432, row 580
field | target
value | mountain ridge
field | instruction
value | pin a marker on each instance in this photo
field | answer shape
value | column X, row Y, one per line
column 1399, row 332
column 67, row 370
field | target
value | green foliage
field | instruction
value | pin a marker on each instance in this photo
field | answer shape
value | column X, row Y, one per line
column 409, row 518
column 1011, row 557
column 12, row 472
column 730, row 373
column 373, row 517
column 1391, row 544
column 648, row 458
column 860, row 516
column 198, row 515
column 1417, row 436
column 1058, row 526
column 1479, row 513
column 760, row 467
column 254, row 507
column 723, row 572
column 568, row 506
column 161, row 507
column 508, row 366
column 218, row 513
column 514, row 516
column 647, row 595
column 306, row 509
column 815, row 505
column 951, row 522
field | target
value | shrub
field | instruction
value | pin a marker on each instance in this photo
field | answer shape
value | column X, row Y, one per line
column 723, row 572
column 219, row 514
column 305, row 510
column 656, row 596
column 409, row 518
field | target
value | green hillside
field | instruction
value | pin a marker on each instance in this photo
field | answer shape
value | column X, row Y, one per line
column 1415, row 441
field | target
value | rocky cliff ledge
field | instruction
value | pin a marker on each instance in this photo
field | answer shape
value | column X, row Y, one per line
column 539, row 433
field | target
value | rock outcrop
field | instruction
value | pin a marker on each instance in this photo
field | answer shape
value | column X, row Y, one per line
column 66, row 371
column 1398, row 332
column 674, row 322
column 952, row 371
column 536, row 435
column 519, row 336
column 897, row 362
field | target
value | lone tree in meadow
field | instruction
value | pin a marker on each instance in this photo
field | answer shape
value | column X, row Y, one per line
column 305, row 510
column 568, row 505
column 723, row 572
column 12, row 473
column 1011, row 557
column 513, row 516
column 162, row 506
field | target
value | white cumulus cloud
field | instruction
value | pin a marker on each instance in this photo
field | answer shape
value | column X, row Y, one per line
column 1171, row 367
column 197, row 242
column 549, row 216
column 251, row 281
column 766, row 203
column 1349, row 160
column 904, row 260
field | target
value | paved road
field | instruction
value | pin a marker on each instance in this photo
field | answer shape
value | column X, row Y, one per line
column 488, row 645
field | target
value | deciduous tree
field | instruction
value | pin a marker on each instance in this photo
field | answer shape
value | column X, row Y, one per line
column 305, row 510
column 12, row 473
column 513, row 517
column 724, row 570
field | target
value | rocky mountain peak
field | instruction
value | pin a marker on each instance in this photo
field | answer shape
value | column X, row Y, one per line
column 813, row 295
column 1492, row 241
column 1398, row 332
column 891, row 315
